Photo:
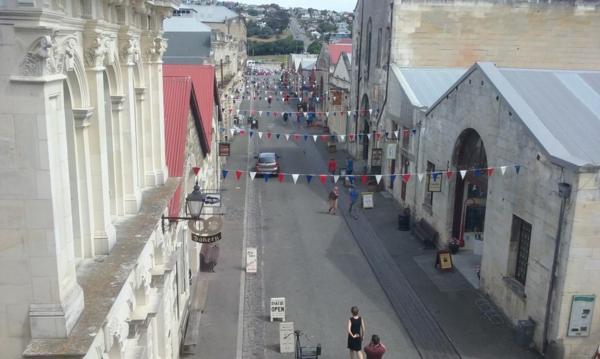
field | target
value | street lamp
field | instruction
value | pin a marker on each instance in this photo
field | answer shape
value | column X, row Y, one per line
column 194, row 205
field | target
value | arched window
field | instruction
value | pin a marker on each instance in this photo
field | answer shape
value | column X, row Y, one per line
column 388, row 44
column 379, row 47
column 368, row 52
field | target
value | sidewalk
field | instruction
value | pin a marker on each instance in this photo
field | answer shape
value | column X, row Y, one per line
column 444, row 314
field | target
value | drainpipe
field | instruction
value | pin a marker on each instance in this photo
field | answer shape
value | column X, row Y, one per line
column 359, row 77
column 564, row 192
column 387, row 73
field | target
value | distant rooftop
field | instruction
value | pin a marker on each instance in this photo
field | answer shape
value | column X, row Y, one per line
column 212, row 13
column 424, row 86
column 184, row 24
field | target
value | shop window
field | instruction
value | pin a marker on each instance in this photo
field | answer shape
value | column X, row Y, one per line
column 519, row 248
column 429, row 195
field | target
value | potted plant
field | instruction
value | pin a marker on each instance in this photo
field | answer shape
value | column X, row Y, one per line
column 453, row 245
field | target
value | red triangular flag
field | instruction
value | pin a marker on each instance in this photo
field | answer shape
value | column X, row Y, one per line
column 490, row 171
column 324, row 138
column 351, row 137
column 242, row 132
column 363, row 179
column 448, row 174
column 238, row 174
column 323, row 178
column 269, row 135
column 281, row 177
column 196, row 170
column 297, row 137
column 377, row 136
column 406, row 177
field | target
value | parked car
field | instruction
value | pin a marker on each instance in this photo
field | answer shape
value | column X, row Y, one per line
column 267, row 163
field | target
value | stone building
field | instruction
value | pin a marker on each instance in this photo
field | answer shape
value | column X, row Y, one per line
column 87, row 268
column 326, row 63
column 440, row 34
column 338, row 99
column 525, row 204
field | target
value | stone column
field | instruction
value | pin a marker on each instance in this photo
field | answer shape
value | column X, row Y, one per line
column 84, row 249
column 130, row 54
column 144, row 161
column 103, row 231
column 116, row 119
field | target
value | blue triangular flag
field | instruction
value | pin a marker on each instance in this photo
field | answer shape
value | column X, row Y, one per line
column 268, row 113
column 251, row 133
column 517, row 168
column 414, row 131
column 277, row 135
column 309, row 178
column 351, row 179
column 392, row 178
column 435, row 175
column 221, row 129
column 477, row 172
column 305, row 137
column 225, row 172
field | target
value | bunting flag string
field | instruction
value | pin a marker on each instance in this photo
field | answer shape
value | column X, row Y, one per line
column 405, row 177
column 339, row 138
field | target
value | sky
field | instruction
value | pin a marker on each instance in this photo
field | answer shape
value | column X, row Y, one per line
column 338, row 5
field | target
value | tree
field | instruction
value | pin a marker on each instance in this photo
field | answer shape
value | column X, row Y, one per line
column 314, row 47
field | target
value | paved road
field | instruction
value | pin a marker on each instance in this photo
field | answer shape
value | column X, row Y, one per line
column 298, row 32
column 307, row 256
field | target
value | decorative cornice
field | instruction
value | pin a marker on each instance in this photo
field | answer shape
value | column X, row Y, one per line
column 153, row 48
column 129, row 50
column 117, row 102
column 140, row 93
column 100, row 50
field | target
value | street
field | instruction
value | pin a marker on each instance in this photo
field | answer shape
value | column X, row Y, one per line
column 304, row 254
column 298, row 32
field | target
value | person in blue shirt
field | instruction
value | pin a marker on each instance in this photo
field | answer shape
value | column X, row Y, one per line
column 349, row 166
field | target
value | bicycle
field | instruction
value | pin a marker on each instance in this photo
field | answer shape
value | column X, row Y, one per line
column 306, row 352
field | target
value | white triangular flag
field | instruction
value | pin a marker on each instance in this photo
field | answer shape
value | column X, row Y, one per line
column 335, row 178
column 503, row 169
column 305, row 113
column 327, row 113
column 260, row 134
column 315, row 137
column 369, row 136
column 349, row 113
column 252, row 175
column 370, row 111
column 295, row 177
column 396, row 134
column 287, row 136
column 378, row 178
column 260, row 113
column 342, row 138
column 420, row 177
column 463, row 173
column 317, row 98
column 237, row 111
column 232, row 130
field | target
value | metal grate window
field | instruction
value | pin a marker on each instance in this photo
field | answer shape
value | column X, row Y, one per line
column 521, row 232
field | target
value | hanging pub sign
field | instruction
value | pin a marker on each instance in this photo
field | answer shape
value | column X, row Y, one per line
column 377, row 157
column 224, row 149
column 434, row 182
column 212, row 199
column 206, row 230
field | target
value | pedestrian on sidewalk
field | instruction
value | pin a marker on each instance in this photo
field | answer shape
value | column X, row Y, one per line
column 331, row 166
column 333, row 198
column 375, row 349
column 353, row 198
column 349, row 165
column 356, row 331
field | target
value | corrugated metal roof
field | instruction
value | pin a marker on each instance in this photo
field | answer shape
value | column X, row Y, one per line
column 335, row 50
column 184, row 24
column 203, row 80
column 308, row 64
column 212, row 13
column 297, row 58
column 561, row 108
column 176, row 92
column 424, row 86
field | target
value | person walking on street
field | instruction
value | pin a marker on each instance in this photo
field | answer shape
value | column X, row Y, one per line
column 353, row 199
column 333, row 198
column 356, row 331
column 349, row 165
column 375, row 349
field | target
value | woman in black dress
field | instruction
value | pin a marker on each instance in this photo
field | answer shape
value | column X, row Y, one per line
column 356, row 331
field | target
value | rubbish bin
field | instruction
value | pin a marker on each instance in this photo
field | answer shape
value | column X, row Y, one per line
column 524, row 333
column 404, row 220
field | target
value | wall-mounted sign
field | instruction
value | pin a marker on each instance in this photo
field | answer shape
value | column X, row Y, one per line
column 390, row 151
column 377, row 157
column 251, row 260
column 582, row 310
column 278, row 308
column 224, row 149
column 286, row 337
column 212, row 199
column 206, row 230
column 434, row 182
